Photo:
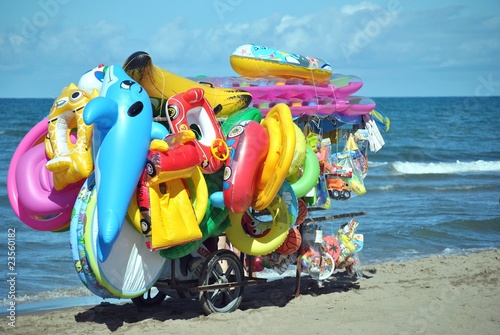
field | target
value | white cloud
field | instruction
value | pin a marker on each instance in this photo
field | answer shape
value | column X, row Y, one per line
column 354, row 9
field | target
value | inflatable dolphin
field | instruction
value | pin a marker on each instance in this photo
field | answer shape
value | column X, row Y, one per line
column 122, row 116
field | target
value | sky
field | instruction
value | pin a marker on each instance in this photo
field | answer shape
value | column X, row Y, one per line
column 397, row 47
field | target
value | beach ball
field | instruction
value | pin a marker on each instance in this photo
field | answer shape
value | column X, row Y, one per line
column 292, row 242
column 302, row 212
column 332, row 246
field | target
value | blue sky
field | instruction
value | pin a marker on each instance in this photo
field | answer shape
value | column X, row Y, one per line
column 397, row 47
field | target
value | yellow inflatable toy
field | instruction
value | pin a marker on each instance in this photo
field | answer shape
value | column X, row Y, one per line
column 356, row 181
column 253, row 60
column 162, row 84
column 279, row 124
column 299, row 155
column 172, row 195
column 70, row 161
column 175, row 211
column 272, row 239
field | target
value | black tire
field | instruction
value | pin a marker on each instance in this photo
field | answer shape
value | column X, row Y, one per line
column 227, row 299
column 150, row 298
column 346, row 194
column 150, row 169
column 335, row 194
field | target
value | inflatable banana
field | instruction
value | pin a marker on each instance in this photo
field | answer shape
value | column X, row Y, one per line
column 162, row 84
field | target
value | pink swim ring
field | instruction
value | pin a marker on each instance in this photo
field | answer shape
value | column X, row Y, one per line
column 30, row 187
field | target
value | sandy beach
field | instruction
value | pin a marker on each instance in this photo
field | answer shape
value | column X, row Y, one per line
column 435, row 295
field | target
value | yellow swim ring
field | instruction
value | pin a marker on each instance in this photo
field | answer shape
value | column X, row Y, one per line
column 299, row 154
column 275, row 236
column 280, row 127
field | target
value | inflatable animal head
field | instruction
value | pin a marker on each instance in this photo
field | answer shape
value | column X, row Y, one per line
column 92, row 79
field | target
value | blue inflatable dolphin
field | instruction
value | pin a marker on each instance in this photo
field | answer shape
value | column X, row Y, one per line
column 122, row 117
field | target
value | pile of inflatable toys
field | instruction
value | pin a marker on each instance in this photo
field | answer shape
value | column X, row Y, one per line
column 142, row 166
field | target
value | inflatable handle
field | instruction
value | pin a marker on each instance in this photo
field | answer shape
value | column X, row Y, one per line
column 219, row 149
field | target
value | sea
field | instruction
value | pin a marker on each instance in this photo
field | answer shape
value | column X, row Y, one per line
column 433, row 189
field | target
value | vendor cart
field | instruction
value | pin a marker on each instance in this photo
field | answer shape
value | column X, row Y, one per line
column 219, row 285
column 219, row 281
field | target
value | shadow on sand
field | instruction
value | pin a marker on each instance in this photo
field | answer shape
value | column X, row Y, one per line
column 267, row 294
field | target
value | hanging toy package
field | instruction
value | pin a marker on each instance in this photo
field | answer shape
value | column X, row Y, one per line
column 315, row 260
column 350, row 245
column 352, row 159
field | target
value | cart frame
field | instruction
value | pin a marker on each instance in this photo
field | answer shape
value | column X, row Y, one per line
column 221, row 290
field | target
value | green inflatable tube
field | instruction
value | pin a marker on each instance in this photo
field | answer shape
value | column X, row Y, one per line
column 309, row 178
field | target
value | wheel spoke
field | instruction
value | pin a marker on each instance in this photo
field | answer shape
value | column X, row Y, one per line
column 214, row 294
column 230, row 269
column 216, row 275
column 229, row 295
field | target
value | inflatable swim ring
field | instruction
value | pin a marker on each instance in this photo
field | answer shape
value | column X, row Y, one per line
column 280, row 127
column 131, row 268
column 248, row 144
column 162, row 84
column 253, row 60
column 243, row 115
column 30, row 188
column 310, row 174
column 190, row 111
column 77, row 244
column 266, row 244
column 249, row 234
column 299, row 154
column 69, row 162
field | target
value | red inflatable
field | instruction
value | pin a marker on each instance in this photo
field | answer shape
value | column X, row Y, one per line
column 190, row 111
column 248, row 144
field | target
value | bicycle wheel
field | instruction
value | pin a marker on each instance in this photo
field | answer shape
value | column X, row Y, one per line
column 221, row 267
